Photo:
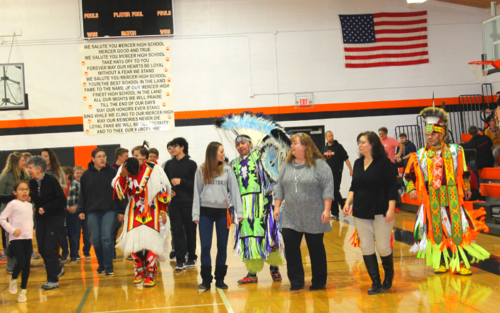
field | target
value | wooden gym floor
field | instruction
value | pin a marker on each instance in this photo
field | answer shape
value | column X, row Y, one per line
column 416, row 288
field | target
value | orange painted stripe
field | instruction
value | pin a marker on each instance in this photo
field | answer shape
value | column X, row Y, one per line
column 182, row 115
column 56, row 121
column 83, row 155
column 330, row 107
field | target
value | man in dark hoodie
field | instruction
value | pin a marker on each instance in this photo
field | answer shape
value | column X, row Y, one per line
column 181, row 171
column 483, row 145
column 49, row 202
column 96, row 204
column 336, row 155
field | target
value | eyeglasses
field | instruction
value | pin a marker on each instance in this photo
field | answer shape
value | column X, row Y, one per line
column 361, row 142
column 173, row 146
column 101, row 157
column 23, row 189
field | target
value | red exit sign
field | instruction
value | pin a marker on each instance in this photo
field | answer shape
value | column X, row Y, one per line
column 303, row 102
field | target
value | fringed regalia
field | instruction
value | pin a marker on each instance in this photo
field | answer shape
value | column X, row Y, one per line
column 141, row 236
column 257, row 236
column 445, row 231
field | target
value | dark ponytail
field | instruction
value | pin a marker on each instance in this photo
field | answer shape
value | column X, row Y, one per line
column 143, row 150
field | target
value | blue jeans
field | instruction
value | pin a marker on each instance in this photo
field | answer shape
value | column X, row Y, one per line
column 75, row 227
column 206, row 232
column 86, row 237
column 102, row 227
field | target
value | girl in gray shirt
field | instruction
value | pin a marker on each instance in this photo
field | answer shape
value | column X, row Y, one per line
column 215, row 186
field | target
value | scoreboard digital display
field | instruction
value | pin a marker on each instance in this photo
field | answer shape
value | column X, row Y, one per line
column 122, row 18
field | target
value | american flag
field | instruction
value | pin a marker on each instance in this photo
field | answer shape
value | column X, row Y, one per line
column 385, row 39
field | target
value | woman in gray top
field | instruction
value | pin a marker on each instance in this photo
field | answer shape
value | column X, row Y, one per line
column 14, row 172
column 214, row 187
column 306, row 185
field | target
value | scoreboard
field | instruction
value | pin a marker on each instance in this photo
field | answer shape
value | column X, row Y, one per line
column 122, row 18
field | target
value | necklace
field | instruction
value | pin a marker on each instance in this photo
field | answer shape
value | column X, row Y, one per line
column 296, row 178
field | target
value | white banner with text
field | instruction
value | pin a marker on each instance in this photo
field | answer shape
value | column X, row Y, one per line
column 126, row 87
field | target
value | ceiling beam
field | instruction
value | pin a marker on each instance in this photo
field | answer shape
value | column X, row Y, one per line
column 483, row 4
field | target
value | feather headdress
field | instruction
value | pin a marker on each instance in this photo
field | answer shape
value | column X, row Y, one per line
column 257, row 126
column 436, row 120
column 433, row 115
column 267, row 136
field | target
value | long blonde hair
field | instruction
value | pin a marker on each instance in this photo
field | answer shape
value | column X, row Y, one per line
column 211, row 168
column 12, row 166
column 311, row 154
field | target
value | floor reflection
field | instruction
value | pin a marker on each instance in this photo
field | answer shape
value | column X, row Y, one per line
column 491, row 265
column 416, row 288
column 450, row 289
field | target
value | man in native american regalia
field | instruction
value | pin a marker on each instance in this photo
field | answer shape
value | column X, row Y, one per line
column 262, row 146
column 142, row 237
column 437, row 177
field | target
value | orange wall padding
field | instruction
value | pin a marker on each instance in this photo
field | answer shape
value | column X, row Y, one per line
column 492, row 173
column 490, row 190
column 467, row 137
column 406, row 199
column 83, row 155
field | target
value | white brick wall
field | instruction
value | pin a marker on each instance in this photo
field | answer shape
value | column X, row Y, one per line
column 225, row 49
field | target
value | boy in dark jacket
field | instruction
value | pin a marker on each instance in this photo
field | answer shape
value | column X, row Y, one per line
column 102, row 212
column 181, row 171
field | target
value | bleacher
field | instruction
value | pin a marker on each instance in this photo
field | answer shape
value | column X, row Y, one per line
column 469, row 111
column 490, row 189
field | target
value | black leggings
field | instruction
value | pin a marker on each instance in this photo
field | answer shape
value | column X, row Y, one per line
column 22, row 251
column 317, row 254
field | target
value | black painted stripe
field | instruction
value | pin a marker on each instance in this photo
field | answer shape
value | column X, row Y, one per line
column 41, row 130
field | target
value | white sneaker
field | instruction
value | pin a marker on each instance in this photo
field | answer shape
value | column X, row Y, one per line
column 13, row 286
column 22, row 296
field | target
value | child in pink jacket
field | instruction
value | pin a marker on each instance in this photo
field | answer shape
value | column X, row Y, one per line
column 20, row 227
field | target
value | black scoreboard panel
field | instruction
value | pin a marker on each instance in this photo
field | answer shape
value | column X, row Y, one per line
column 121, row 18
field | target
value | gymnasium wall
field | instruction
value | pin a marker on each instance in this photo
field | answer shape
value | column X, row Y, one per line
column 228, row 56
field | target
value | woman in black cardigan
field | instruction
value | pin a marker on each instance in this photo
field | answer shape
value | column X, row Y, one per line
column 373, row 196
